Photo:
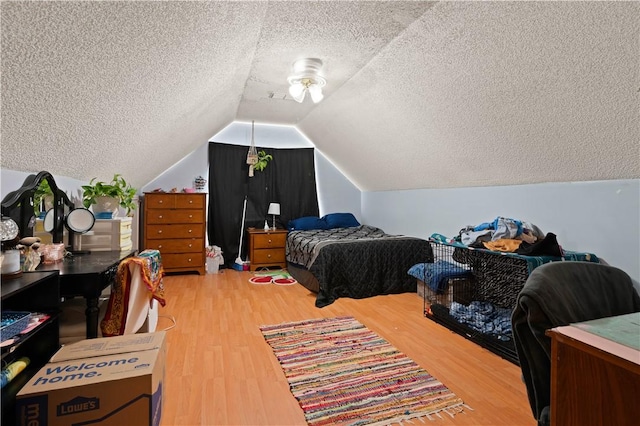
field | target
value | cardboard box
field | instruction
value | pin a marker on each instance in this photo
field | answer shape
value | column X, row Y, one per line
column 111, row 381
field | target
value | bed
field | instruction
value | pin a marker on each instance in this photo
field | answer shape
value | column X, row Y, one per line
column 355, row 261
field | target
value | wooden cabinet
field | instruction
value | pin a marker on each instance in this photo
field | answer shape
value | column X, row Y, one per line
column 267, row 248
column 175, row 224
column 595, row 380
column 35, row 292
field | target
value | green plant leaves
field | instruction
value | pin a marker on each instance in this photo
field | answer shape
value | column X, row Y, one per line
column 263, row 160
column 117, row 188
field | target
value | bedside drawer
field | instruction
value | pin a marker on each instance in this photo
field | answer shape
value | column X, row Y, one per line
column 156, row 216
column 185, row 245
column 265, row 256
column 263, row 241
column 174, row 231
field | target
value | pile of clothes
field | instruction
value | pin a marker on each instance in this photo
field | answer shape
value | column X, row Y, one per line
column 510, row 235
column 484, row 317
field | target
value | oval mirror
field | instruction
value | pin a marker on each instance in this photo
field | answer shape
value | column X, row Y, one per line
column 48, row 220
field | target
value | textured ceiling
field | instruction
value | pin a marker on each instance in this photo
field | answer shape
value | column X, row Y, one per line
column 418, row 95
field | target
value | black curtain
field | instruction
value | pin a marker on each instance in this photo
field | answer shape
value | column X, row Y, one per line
column 288, row 179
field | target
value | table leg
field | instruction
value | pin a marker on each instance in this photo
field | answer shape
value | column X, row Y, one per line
column 92, row 317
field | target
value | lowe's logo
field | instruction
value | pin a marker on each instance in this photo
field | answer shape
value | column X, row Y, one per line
column 77, row 405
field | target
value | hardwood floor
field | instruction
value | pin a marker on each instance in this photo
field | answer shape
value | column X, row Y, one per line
column 220, row 371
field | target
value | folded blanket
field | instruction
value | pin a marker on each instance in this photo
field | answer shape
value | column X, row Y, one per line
column 436, row 275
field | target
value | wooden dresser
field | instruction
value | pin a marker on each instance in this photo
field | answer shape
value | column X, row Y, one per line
column 267, row 248
column 175, row 224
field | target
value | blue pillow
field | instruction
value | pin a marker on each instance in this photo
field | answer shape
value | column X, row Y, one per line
column 340, row 220
column 306, row 223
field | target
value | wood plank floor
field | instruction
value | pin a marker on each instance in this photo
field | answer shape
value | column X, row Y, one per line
column 220, row 371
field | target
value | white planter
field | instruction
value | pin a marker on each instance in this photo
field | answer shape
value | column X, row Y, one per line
column 106, row 204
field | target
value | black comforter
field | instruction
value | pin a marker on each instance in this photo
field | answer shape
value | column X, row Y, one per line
column 357, row 262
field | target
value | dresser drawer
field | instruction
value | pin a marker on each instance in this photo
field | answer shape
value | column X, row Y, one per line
column 112, row 226
column 185, row 245
column 265, row 256
column 160, row 201
column 174, row 231
column 190, row 201
column 174, row 201
column 264, row 241
column 181, row 260
column 105, row 242
column 156, row 216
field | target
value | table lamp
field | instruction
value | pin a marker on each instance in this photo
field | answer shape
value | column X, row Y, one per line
column 10, row 257
column 274, row 209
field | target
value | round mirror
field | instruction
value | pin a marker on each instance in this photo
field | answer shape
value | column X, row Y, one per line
column 79, row 220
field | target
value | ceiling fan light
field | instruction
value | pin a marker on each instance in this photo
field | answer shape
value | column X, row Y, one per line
column 316, row 93
column 296, row 90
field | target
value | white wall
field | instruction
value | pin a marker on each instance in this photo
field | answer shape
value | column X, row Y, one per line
column 335, row 192
column 601, row 217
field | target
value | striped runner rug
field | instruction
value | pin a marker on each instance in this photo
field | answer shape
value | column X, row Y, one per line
column 342, row 373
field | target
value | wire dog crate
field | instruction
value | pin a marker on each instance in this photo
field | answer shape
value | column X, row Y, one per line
column 473, row 292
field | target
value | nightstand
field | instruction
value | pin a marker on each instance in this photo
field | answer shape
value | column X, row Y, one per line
column 267, row 248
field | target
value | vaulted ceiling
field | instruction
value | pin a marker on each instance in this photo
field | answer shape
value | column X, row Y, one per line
column 419, row 94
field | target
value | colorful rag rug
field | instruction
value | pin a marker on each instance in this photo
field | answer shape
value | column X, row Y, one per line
column 342, row 373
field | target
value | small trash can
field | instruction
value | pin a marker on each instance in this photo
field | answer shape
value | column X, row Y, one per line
column 214, row 258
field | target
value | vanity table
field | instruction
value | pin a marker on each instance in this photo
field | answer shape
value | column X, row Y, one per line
column 83, row 275
column 87, row 276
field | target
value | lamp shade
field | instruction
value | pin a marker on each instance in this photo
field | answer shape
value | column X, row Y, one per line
column 316, row 93
column 9, row 228
column 297, row 91
column 274, row 208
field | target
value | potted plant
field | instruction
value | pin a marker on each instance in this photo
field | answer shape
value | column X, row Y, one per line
column 263, row 160
column 103, row 194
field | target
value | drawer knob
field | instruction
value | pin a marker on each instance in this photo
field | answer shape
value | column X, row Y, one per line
column 160, row 217
column 160, row 231
column 189, row 259
column 190, row 216
column 159, row 246
column 269, row 241
column 190, row 201
column 190, row 231
column 190, row 245
column 269, row 256
column 160, row 201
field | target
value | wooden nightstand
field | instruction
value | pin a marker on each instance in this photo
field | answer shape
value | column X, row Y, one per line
column 267, row 248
